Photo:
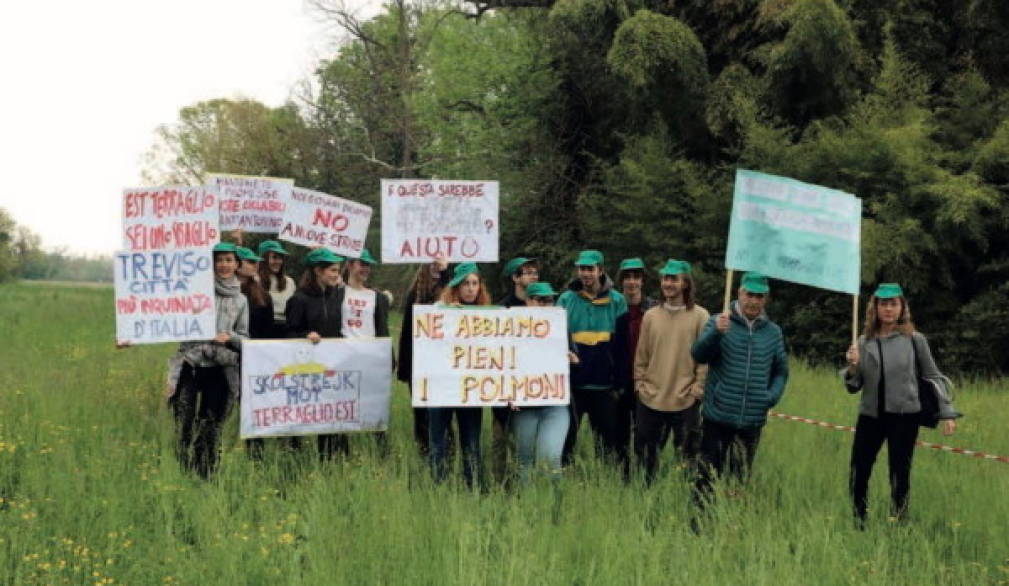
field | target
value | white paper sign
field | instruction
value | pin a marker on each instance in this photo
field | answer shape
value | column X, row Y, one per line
column 316, row 218
column 252, row 204
column 422, row 219
column 490, row 357
column 169, row 218
column 164, row 295
column 294, row 387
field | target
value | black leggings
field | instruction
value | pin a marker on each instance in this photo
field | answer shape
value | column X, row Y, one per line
column 200, row 405
column 900, row 433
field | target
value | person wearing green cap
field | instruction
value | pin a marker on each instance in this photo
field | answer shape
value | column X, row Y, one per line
column 203, row 376
column 519, row 273
column 885, row 364
column 260, row 303
column 276, row 282
column 313, row 312
column 668, row 381
column 747, row 373
column 593, row 310
column 466, row 288
column 365, row 310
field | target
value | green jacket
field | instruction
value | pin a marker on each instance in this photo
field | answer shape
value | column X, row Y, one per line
column 592, row 323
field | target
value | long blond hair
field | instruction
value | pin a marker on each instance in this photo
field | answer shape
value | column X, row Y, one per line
column 904, row 323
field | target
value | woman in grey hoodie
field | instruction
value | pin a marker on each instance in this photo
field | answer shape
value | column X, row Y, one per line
column 885, row 365
column 203, row 376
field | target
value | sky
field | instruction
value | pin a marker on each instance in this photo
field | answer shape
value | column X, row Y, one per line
column 86, row 84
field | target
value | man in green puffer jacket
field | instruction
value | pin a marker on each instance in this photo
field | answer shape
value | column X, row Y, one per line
column 747, row 372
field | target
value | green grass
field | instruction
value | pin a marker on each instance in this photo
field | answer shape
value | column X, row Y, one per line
column 92, row 493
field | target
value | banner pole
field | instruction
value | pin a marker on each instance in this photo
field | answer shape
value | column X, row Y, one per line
column 728, row 291
column 854, row 319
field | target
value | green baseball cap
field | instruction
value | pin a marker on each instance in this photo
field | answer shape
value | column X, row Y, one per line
column 226, row 247
column 888, row 291
column 675, row 267
column 589, row 258
column 271, row 246
column 540, row 289
column 322, row 256
column 631, row 264
column 755, row 282
column 461, row 271
column 247, row 254
column 366, row 257
column 515, row 264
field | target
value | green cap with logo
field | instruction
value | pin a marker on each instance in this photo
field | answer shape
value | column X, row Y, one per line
column 888, row 291
column 226, row 247
column 755, row 282
column 366, row 257
column 247, row 254
column 461, row 271
column 271, row 246
column 322, row 256
column 540, row 289
column 588, row 258
column 675, row 267
column 515, row 264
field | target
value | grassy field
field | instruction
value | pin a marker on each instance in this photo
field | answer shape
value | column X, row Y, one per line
column 90, row 493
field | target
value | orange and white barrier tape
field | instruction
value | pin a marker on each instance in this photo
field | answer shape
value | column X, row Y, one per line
column 930, row 445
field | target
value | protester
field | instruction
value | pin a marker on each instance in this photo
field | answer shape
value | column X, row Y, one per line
column 280, row 286
column 668, row 381
column 203, row 377
column 466, row 288
column 631, row 278
column 426, row 289
column 747, row 372
column 313, row 312
column 365, row 311
column 260, row 302
column 885, row 365
column 519, row 272
column 593, row 310
column 540, row 431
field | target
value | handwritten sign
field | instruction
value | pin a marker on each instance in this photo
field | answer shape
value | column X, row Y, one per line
column 490, row 357
column 795, row 231
column 422, row 219
column 315, row 218
column 252, row 204
column 164, row 295
column 168, row 218
column 294, row 387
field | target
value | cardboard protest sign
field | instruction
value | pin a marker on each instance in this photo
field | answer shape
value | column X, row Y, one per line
column 252, row 204
column 170, row 218
column 295, row 387
column 164, row 295
column 490, row 357
column 422, row 219
column 795, row 231
column 315, row 218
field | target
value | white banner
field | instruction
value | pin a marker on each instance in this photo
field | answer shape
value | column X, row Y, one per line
column 169, row 218
column 294, row 387
column 164, row 295
column 490, row 357
column 422, row 219
column 252, row 204
column 313, row 217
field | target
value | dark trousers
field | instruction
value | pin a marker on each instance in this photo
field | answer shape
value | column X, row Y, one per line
column 652, row 432
column 500, row 443
column 200, row 405
column 421, row 433
column 723, row 446
column 900, row 433
column 255, row 447
column 469, row 420
column 608, row 421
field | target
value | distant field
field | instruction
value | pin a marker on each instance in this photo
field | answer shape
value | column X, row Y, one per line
column 90, row 493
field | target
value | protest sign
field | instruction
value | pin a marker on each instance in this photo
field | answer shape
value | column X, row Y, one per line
column 251, row 204
column 795, row 231
column 295, row 387
column 422, row 219
column 164, row 295
column 168, row 218
column 315, row 218
column 490, row 357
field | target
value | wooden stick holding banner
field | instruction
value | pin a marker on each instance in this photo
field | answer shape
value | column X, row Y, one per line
column 728, row 291
column 854, row 320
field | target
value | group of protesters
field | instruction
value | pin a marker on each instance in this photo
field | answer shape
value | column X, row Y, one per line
column 642, row 369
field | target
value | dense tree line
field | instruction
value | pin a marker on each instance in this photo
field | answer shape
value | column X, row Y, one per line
column 22, row 257
column 619, row 124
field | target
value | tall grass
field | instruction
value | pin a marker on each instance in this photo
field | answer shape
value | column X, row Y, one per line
column 92, row 494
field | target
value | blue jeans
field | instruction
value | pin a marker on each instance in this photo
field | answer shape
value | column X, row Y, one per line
column 469, row 420
column 539, row 438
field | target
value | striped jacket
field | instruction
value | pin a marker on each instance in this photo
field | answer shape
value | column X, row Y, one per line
column 747, row 371
column 592, row 323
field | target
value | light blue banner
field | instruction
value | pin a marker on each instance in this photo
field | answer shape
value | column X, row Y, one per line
column 795, row 231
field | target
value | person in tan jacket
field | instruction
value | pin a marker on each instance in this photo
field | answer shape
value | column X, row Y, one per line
column 668, row 382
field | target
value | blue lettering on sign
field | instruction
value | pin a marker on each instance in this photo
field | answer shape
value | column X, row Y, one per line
column 159, row 266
